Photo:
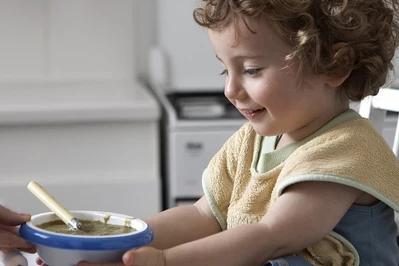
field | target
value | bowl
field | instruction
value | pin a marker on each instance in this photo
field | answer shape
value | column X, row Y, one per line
column 67, row 250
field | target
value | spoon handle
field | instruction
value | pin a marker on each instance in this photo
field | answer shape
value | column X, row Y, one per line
column 54, row 205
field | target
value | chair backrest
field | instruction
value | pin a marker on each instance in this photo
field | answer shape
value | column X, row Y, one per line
column 376, row 107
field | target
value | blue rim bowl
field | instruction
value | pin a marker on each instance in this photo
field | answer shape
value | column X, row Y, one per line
column 141, row 237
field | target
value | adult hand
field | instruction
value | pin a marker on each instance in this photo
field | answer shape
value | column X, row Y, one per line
column 9, row 238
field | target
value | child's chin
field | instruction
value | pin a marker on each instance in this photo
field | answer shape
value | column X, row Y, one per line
column 262, row 129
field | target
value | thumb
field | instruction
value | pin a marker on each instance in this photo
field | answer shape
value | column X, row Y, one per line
column 8, row 217
column 145, row 256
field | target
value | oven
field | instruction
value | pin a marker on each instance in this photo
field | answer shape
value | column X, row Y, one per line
column 197, row 118
column 194, row 127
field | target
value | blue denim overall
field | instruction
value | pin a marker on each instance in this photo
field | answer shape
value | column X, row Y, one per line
column 370, row 229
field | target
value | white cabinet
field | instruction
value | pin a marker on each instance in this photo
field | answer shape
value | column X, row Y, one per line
column 96, row 148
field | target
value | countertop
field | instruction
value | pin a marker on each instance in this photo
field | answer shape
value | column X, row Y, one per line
column 80, row 101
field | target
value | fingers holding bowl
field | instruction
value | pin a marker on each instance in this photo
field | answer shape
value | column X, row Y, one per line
column 10, row 240
column 9, row 217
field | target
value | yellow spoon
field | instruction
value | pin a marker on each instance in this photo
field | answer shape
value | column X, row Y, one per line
column 72, row 222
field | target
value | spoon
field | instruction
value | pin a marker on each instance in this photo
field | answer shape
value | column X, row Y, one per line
column 72, row 222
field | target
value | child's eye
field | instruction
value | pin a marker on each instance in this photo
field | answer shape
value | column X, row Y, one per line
column 224, row 72
column 252, row 71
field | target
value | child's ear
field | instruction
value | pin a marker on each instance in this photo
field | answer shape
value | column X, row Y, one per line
column 335, row 82
column 345, row 53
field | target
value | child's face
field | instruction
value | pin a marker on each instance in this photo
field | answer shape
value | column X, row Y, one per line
column 264, row 89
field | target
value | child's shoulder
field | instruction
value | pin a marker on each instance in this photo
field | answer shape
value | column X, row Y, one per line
column 351, row 153
column 349, row 137
column 352, row 132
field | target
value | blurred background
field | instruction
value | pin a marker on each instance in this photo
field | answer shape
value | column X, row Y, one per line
column 109, row 105
column 102, row 101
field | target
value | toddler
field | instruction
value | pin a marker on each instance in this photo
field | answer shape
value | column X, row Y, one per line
column 306, row 181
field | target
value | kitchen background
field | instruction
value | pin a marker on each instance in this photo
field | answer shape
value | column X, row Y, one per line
column 110, row 105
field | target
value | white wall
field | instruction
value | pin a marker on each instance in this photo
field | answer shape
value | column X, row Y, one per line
column 74, row 39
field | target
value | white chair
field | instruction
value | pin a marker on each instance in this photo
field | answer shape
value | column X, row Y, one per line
column 375, row 108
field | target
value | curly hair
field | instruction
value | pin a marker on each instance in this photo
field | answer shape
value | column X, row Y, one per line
column 368, row 28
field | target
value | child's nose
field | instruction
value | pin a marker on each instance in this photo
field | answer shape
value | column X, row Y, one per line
column 233, row 88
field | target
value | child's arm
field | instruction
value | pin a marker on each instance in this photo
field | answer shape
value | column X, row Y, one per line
column 183, row 224
column 304, row 214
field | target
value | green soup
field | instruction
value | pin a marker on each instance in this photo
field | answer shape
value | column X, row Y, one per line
column 92, row 228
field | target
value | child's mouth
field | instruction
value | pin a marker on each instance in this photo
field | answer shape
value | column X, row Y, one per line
column 253, row 111
column 250, row 114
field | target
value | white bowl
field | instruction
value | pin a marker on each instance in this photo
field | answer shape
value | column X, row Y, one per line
column 67, row 250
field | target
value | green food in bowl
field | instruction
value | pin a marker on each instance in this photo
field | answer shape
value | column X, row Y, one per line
column 66, row 249
column 91, row 228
